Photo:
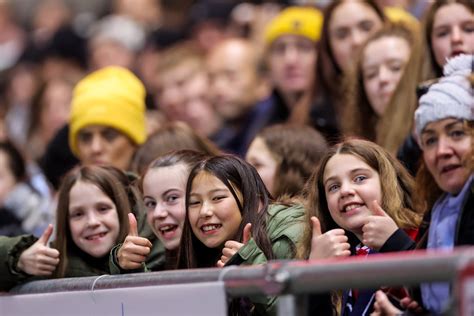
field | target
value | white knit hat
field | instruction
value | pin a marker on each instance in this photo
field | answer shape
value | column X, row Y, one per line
column 451, row 97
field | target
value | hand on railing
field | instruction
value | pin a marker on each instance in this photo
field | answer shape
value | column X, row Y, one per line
column 378, row 227
column 231, row 246
column 135, row 249
column 333, row 243
column 39, row 259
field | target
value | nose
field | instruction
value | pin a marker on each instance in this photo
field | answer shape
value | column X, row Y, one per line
column 160, row 211
column 92, row 220
column 444, row 148
column 384, row 75
column 97, row 144
column 456, row 35
column 206, row 210
column 346, row 190
column 357, row 39
column 291, row 54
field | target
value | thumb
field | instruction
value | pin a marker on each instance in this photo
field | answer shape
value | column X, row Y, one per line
column 46, row 235
column 376, row 209
column 316, row 226
column 132, row 225
column 247, row 233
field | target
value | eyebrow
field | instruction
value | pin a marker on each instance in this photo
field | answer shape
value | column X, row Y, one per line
column 446, row 127
column 213, row 191
column 356, row 170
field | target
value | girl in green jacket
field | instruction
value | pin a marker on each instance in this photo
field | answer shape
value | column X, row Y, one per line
column 229, row 220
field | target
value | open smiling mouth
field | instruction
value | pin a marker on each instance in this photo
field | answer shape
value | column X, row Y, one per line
column 96, row 236
column 210, row 228
column 351, row 207
column 168, row 229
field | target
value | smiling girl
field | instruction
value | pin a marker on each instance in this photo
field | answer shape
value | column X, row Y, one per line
column 229, row 220
column 92, row 213
column 360, row 203
column 163, row 186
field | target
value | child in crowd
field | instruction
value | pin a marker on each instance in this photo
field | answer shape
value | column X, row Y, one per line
column 447, row 33
column 285, row 156
column 360, row 203
column 347, row 25
column 163, row 187
column 229, row 220
column 444, row 125
column 91, row 218
column 381, row 88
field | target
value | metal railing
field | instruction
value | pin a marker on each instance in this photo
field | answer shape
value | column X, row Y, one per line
column 289, row 279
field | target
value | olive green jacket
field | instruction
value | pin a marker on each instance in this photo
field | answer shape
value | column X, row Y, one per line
column 285, row 226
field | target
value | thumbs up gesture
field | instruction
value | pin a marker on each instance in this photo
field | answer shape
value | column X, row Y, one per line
column 231, row 246
column 378, row 227
column 134, row 249
column 39, row 259
column 333, row 243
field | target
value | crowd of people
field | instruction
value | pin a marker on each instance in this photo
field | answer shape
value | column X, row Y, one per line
column 162, row 136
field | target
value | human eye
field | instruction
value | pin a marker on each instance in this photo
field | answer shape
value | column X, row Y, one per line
column 104, row 207
column 359, row 178
column 76, row 214
column 84, row 137
column 370, row 73
column 341, row 33
column 366, row 25
column 149, row 203
column 442, row 32
column 194, row 202
column 332, row 187
column 428, row 141
column 468, row 27
column 457, row 133
column 110, row 134
column 219, row 197
column 172, row 198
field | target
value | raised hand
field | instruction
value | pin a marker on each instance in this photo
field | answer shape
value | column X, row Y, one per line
column 134, row 249
column 231, row 246
column 383, row 306
column 333, row 243
column 39, row 258
column 378, row 227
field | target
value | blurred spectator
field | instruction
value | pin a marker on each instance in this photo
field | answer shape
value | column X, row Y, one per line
column 115, row 41
column 170, row 137
column 237, row 84
column 50, row 111
column 145, row 12
column 209, row 22
column 199, row 113
column 176, row 65
column 22, row 209
column 12, row 37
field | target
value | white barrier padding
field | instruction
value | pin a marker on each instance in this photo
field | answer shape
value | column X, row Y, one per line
column 184, row 299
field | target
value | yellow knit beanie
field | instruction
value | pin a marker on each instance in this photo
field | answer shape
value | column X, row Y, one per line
column 113, row 97
column 303, row 21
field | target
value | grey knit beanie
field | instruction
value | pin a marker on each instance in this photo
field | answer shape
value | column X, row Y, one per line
column 451, row 97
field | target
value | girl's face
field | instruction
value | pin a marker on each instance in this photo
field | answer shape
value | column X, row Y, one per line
column 453, row 32
column 351, row 24
column 259, row 156
column 350, row 186
column 7, row 179
column 383, row 63
column 164, row 198
column 93, row 219
column 446, row 143
column 213, row 212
